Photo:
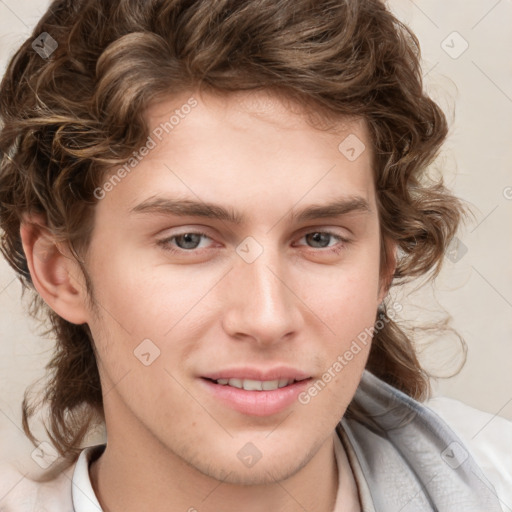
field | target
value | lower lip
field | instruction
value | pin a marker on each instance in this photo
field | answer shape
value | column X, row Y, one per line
column 257, row 403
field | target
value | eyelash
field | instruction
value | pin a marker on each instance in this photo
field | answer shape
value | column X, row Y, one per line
column 165, row 243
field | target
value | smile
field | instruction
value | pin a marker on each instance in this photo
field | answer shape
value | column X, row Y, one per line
column 255, row 397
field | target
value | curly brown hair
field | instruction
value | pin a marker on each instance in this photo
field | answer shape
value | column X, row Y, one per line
column 68, row 117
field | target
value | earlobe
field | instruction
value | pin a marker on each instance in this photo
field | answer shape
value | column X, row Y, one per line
column 54, row 272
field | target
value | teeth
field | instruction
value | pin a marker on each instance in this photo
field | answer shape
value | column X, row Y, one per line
column 270, row 385
column 255, row 385
column 236, row 383
column 252, row 385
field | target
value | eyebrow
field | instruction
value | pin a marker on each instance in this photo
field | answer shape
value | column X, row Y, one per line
column 185, row 207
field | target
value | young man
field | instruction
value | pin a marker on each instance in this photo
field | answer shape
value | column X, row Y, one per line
column 211, row 201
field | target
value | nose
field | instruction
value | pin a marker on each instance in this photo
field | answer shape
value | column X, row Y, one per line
column 264, row 305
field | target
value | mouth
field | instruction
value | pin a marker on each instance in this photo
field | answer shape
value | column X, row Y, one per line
column 265, row 396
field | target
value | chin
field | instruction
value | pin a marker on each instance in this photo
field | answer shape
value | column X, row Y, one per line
column 263, row 475
column 268, row 469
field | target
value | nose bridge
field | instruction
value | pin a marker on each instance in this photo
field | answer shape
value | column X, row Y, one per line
column 263, row 306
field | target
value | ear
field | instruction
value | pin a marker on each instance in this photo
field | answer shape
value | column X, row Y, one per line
column 387, row 268
column 55, row 273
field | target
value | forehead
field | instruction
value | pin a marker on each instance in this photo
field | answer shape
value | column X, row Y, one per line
column 271, row 107
column 238, row 147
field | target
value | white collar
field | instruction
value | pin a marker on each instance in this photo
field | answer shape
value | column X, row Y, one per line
column 84, row 499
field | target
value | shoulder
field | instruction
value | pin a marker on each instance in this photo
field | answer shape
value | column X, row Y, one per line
column 487, row 437
column 21, row 493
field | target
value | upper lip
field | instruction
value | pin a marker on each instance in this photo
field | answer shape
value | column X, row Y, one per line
column 276, row 373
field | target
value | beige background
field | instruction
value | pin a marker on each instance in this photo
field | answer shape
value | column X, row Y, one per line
column 475, row 89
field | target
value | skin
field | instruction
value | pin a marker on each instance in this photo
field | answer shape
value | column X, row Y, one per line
column 298, row 304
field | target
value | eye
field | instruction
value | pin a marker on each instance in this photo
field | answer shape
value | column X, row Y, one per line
column 319, row 239
column 322, row 239
column 187, row 241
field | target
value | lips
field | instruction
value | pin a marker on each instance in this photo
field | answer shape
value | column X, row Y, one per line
column 256, row 392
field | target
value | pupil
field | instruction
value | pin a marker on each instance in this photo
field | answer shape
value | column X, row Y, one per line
column 189, row 241
column 322, row 238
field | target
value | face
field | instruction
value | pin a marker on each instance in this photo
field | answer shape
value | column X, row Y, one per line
column 241, row 251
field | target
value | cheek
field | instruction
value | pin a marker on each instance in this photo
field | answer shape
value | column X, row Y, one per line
column 144, row 299
column 348, row 319
column 345, row 298
column 159, row 303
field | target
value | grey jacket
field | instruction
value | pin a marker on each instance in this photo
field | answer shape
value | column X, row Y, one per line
column 406, row 459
